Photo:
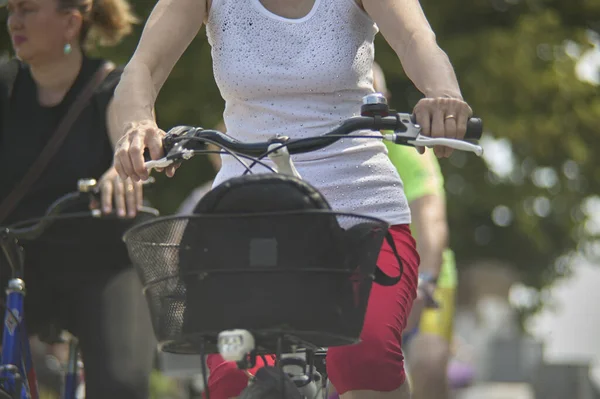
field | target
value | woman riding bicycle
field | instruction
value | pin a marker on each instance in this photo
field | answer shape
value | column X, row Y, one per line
column 78, row 274
column 297, row 68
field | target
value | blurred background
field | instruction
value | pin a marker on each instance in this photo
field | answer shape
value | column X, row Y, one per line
column 524, row 219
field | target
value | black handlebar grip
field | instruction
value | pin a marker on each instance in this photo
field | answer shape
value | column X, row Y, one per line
column 147, row 156
column 474, row 129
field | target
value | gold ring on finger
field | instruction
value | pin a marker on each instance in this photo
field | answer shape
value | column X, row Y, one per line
column 130, row 188
column 449, row 117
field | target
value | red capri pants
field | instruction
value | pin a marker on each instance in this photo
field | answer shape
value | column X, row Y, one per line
column 376, row 363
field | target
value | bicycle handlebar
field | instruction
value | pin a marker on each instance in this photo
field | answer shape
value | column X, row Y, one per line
column 181, row 141
column 10, row 236
column 34, row 231
column 86, row 189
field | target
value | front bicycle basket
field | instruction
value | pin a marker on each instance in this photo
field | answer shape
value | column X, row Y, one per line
column 299, row 275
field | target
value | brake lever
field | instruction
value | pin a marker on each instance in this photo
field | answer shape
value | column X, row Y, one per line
column 425, row 141
column 412, row 136
column 420, row 140
column 158, row 164
column 174, row 146
column 182, row 155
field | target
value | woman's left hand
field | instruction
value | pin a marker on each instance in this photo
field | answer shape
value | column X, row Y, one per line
column 443, row 117
column 127, row 195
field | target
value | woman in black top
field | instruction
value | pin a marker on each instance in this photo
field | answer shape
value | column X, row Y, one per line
column 78, row 274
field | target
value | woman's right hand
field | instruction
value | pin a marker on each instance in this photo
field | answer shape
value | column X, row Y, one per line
column 129, row 150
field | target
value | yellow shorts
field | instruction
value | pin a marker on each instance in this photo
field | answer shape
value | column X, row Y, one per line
column 440, row 321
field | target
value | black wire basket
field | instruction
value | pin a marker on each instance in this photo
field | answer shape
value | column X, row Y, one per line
column 298, row 278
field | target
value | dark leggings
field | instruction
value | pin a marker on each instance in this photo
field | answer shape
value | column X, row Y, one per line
column 108, row 313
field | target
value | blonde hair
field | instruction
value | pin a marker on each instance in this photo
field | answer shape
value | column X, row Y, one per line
column 105, row 22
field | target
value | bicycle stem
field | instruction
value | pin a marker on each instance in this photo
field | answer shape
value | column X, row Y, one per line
column 280, row 156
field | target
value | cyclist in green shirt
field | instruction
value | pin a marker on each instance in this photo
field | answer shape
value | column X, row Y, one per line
column 429, row 343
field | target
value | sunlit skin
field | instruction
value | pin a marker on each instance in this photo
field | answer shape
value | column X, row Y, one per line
column 39, row 30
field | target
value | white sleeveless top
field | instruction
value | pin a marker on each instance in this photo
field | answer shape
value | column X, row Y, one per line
column 301, row 78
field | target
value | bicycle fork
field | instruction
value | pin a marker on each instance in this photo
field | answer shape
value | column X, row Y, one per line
column 72, row 372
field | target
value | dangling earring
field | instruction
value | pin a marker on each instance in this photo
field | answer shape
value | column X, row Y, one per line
column 67, row 49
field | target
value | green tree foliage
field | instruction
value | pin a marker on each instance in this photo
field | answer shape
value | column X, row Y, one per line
column 516, row 64
column 516, row 61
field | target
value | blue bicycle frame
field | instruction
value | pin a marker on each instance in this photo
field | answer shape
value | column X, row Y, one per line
column 16, row 367
column 17, row 374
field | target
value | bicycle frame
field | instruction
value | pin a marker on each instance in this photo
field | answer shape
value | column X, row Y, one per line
column 17, row 370
column 17, row 374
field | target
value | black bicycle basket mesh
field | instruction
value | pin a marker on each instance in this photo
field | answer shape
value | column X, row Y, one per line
column 304, row 275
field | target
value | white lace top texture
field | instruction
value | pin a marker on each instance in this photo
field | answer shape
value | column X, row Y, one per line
column 300, row 78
